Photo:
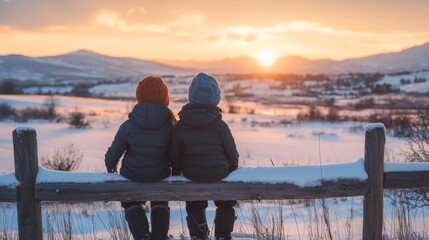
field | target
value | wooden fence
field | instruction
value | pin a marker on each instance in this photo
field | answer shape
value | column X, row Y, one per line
column 29, row 194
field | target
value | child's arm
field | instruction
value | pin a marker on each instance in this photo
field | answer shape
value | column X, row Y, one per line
column 116, row 150
column 175, row 153
column 229, row 147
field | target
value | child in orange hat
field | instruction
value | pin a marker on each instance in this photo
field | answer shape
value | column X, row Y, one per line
column 143, row 140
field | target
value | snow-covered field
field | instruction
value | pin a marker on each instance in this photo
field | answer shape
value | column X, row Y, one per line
column 420, row 87
column 259, row 144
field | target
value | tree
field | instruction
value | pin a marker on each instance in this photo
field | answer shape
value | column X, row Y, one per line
column 9, row 87
column 51, row 105
column 81, row 90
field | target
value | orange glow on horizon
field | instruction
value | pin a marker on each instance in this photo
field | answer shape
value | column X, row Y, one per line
column 213, row 30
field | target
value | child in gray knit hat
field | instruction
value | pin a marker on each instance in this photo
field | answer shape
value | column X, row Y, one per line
column 203, row 149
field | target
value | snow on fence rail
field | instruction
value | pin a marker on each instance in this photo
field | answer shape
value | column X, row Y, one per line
column 32, row 184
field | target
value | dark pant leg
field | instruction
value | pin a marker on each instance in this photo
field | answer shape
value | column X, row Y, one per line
column 136, row 219
column 196, row 219
column 224, row 219
column 160, row 220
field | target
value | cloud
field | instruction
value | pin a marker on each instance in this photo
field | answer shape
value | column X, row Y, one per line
column 299, row 26
column 115, row 21
column 136, row 10
column 188, row 19
column 180, row 25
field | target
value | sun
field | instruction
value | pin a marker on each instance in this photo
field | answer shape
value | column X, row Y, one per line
column 266, row 57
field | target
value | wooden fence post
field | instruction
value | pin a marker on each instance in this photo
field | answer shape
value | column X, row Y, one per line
column 374, row 166
column 26, row 167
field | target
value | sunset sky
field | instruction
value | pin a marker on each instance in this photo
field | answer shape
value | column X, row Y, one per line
column 212, row 30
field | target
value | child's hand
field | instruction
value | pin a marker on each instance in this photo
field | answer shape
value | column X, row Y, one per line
column 112, row 170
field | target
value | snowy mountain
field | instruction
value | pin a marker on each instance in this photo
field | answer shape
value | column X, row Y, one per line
column 81, row 65
column 411, row 59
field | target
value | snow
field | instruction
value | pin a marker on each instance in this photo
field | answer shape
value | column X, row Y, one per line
column 261, row 139
column 48, row 176
column 395, row 80
column 373, row 126
column 20, row 130
column 299, row 175
column 405, row 166
column 286, row 146
column 8, row 180
column 416, row 87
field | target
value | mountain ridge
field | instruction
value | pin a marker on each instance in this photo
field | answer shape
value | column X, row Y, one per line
column 415, row 58
column 82, row 65
column 87, row 64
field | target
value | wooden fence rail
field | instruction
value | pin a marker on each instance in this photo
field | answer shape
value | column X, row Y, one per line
column 29, row 194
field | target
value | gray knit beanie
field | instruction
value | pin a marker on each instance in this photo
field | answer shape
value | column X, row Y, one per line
column 204, row 89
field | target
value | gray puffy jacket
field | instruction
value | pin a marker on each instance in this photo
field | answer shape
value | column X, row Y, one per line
column 202, row 146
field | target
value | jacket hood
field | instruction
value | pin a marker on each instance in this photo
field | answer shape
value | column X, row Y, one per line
column 150, row 115
column 199, row 115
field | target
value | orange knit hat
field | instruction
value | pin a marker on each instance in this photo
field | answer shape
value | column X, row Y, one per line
column 152, row 90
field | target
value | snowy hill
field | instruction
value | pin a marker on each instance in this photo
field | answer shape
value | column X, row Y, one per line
column 411, row 59
column 81, row 65
column 416, row 82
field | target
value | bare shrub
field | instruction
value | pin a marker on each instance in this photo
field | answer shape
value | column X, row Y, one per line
column 418, row 151
column 23, row 115
column 404, row 221
column 313, row 114
column 64, row 159
column 332, row 115
column 77, row 119
column 418, row 139
column 6, row 111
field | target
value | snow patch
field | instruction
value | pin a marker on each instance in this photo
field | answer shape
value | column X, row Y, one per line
column 300, row 175
column 52, row 176
column 20, row 130
column 406, row 167
column 8, row 180
column 373, row 126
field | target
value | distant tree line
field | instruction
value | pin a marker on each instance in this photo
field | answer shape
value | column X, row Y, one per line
column 75, row 119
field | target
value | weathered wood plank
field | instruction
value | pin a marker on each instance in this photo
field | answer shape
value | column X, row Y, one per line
column 8, row 194
column 373, row 198
column 174, row 191
column 26, row 167
column 395, row 180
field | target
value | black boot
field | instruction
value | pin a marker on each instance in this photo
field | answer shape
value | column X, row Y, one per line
column 137, row 222
column 160, row 220
column 197, row 225
column 224, row 223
